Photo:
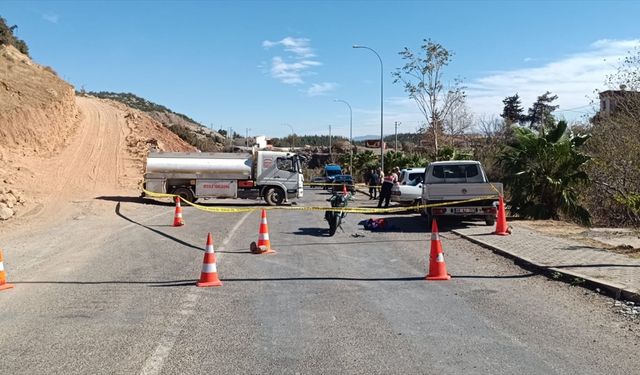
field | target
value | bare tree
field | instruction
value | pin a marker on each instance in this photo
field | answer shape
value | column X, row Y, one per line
column 422, row 76
column 615, row 146
column 491, row 126
column 458, row 121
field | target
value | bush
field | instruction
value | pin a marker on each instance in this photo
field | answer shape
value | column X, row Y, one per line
column 7, row 37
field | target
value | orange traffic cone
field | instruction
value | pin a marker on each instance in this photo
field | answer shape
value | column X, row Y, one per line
column 437, row 266
column 3, row 275
column 177, row 218
column 264, row 245
column 209, row 275
column 502, row 229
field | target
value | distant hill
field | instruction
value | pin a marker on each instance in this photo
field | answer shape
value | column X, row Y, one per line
column 185, row 127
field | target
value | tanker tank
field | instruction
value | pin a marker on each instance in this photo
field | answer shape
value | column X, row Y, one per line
column 236, row 165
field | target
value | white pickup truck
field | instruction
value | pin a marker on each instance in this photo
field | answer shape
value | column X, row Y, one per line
column 449, row 182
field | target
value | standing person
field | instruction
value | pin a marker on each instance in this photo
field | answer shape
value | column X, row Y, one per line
column 374, row 180
column 387, row 184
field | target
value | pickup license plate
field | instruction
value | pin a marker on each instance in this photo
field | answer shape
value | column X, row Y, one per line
column 464, row 210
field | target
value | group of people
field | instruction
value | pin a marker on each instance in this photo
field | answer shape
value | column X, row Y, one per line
column 377, row 179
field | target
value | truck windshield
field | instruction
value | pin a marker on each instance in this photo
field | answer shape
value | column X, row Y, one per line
column 332, row 172
column 285, row 164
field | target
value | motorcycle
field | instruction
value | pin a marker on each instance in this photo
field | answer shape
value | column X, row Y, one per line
column 334, row 218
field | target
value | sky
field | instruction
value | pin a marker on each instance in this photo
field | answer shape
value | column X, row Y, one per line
column 274, row 66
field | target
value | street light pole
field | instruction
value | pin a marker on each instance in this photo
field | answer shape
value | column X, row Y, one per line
column 350, row 133
column 330, row 154
column 293, row 133
column 397, row 123
column 246, row 138
column 381, row 105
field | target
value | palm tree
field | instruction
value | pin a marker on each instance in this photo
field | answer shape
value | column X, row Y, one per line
column 544, row 171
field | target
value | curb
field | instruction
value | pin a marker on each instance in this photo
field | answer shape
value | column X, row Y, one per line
column 613, row 289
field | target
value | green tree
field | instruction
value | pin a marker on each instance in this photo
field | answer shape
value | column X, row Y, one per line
column 540, row 113
column 544, row 172
column 422, row 77
column 513, row 111
column 8, row 38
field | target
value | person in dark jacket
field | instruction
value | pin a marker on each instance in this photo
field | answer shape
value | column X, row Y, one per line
column 374, row 181
column 387, row 184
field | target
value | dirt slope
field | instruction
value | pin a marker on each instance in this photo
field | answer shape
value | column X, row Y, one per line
column 58, row 151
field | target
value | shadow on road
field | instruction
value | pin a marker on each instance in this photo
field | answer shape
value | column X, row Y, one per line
column 327, row 278
column 315, row 232
column 349, row 242
column 113, row 282
column 127, row 199
column 181, row 242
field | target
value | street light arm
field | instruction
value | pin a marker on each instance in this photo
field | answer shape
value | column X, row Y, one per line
column 381, row 103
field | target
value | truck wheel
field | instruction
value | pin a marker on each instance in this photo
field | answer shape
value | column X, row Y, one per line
column 274, row 196
column 185, row 193
column 490, row 220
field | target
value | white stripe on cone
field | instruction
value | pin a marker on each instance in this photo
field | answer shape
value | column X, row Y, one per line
column 263, row 236
column 209, row 249
column 264, row 220
column 1, row 267
column 435, row 237
column 440, row 258
column 209, row 268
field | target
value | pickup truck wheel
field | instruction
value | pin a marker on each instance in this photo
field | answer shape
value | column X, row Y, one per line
column 185, row 193
column 490, row 220
column 274, row 196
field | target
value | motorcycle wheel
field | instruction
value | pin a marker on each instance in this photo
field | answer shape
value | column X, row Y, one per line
column 333, row 223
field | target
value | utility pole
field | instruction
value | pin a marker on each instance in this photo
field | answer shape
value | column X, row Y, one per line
column 397, row 123
column 246, row 138
column 330, row 154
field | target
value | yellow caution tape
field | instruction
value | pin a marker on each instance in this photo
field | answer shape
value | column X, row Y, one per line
column 355, row 210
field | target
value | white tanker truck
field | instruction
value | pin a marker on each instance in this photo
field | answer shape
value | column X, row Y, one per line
column 274, row 176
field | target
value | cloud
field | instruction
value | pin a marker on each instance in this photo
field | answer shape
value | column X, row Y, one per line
column 291, row 69
column 291, row 72
column 324, row 88
column 573, row 78
column 298, row 46
column 53, row 18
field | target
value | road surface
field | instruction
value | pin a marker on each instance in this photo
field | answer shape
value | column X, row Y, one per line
column 112, row 292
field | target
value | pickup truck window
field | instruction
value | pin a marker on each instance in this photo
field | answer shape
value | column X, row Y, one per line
column 455, row 171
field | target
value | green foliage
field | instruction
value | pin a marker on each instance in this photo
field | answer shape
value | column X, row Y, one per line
column 451, row 153
column 8, row 38
column 544, row 172
column 306, row 140
column 512, row 112
column 631, row 201
column 204, row 144
column 401, row 160
column 363, row 162
column 138, row 103
column 540, row 113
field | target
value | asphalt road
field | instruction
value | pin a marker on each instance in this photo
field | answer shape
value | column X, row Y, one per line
column 112, row 292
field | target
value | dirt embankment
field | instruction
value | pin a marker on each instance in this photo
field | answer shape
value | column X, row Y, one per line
column 57, row 150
